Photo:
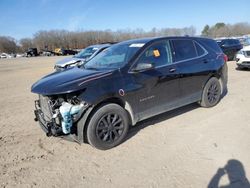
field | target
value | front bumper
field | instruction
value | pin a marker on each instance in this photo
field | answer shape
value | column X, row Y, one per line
column 49, row 127
column 243, row 64
column 42, row 122
column 243, row 61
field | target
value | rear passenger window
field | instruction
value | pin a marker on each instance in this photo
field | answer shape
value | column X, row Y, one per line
column 236, row 42
column 211, row 44
column 227, row 42
column 184, row 49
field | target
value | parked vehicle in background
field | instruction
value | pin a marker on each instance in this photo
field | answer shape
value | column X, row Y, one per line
column 127, row 83
column 31, row 52
column 5, row 55
column 13, row 55
column 57, row 51
column 83, row 56
column 230, row 47
column 20, row 55
column 245, row 41
column 62, row 51
column 46, row 53
column 243, row 58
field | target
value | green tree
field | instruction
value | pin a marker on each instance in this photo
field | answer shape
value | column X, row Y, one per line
column 219, row 25
column 205, row 31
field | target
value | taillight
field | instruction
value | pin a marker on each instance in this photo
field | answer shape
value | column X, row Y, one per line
column 222, row 56
column 225, row 57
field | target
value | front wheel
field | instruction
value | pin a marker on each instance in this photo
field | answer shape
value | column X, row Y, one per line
column 211, row 93
column 107, row 127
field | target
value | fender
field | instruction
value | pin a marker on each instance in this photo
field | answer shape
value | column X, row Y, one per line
column 81, row 124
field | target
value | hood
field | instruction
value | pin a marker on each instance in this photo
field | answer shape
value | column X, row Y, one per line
column 68, row 61
column 67, row 81
column 246, row 48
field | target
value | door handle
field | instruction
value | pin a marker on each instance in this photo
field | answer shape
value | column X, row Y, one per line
column 172, row 70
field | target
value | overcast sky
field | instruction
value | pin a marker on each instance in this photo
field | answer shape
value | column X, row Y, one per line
column 23, row 18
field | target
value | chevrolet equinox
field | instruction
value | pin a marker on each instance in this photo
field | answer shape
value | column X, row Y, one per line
column 127, row 83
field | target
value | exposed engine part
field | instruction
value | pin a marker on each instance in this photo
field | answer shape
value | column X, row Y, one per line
column 59, row 113
column 54, row 131
column 67, row 111
column 74, row 100
column 55, row 115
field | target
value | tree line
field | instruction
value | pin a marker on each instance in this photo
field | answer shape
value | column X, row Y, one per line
column 226, row 30
column 49, row 40
column 8, row 44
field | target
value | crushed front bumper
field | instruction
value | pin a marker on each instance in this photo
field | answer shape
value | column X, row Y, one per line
column 49, row 127
column 43, row 124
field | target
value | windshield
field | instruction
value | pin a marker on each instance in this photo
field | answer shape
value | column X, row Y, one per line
column 86, row 53
column 246, row 42
column 114, row 57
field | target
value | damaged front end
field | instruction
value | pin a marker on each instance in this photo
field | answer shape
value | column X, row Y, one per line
column 57, row 115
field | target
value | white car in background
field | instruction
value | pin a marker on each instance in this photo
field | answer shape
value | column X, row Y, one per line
column 4, row 55
column 20, row 55
column 243, row 58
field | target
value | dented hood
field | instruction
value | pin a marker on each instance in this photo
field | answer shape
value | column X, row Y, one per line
column 68, row 61
column 67, row 81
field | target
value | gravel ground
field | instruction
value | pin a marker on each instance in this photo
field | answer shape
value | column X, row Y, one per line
column 189, row 147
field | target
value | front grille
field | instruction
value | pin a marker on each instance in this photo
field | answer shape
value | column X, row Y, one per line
column 246, row 62
column 45, row 107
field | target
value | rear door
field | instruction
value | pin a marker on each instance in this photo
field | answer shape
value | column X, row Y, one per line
column 193, row 64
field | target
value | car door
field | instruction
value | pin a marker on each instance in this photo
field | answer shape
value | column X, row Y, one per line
column 193, row 64
column 158, row 87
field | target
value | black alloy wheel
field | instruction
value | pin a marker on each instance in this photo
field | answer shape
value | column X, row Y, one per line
column 211, row 94
column 110, row 127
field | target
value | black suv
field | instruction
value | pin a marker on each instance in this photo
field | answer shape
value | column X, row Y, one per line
column 230, row 47
column 31, row 52
column 129, row 82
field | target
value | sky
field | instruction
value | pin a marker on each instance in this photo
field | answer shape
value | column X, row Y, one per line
column 23, row 18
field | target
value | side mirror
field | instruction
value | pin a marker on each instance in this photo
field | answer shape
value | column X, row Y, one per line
column 142, row 67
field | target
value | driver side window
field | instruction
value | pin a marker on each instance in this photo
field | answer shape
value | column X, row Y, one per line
column 158, row 54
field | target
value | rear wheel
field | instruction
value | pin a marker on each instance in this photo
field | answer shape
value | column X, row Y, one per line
column 238, row 68
column 211, row 93
column 107, row 127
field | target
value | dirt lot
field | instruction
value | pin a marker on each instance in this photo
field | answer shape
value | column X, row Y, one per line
column 182, row 148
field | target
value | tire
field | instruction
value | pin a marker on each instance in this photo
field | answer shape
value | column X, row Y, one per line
column 107, row 127
column 238, row 68
column 211, row 94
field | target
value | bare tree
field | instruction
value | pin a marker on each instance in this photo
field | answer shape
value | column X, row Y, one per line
column 80, row 39
column 26, row 43
column 226, row 30
column 8, row 44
